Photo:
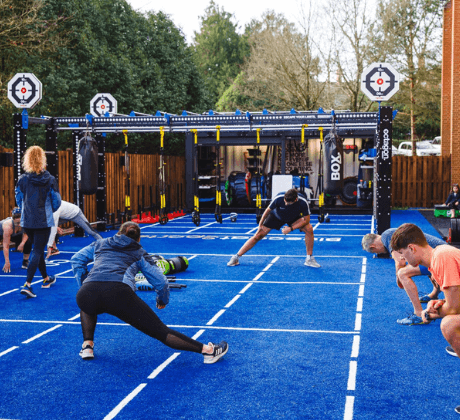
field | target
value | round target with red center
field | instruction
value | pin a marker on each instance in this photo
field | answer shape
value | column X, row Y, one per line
column 380, row 81
column 24, row 90
column 103, row 103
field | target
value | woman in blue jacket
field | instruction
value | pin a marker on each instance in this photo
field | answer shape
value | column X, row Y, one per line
column 37, row 195
column 110, row 288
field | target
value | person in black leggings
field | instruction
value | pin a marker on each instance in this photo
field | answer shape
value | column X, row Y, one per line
column 37, row 195
column 110, row 288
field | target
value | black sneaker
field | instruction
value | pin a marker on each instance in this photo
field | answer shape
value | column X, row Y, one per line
column 87, row 352
column 27, row 290
column 219, row 351
column 25, row 264
column 457, row 409
column 47, row 283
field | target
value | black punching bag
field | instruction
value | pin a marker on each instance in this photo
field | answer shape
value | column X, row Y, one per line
column 332, row 164
column 88, row 165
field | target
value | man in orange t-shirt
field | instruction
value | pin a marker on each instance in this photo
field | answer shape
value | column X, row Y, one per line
column 444, row 265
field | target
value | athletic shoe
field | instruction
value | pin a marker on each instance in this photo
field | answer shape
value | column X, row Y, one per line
column 235, row 260
column 53, row 251
column 451, row 351
column 311, row 262
column 25, row 264
column 144, row 286
column 87, row 352
column 457, row 409
column 47, row 283
column 410, row 320
column 424, row 298
column 219, row 351
column 27, row 290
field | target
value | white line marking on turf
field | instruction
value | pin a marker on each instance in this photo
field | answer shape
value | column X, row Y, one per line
column 195, row 337
column 9, row 291
column 349, row 408
column 258, row 276
column 267, row 267
column 359, row 305
column 358, row 320
column 7, row 351
column 246, row 288
column 355, row 348
column 232, row 301
column 363, row 277
column 192, row 257
column 123, row 403
column 351, row 386
column 361, row 290
column 74, row 317
column 215, row 317
column 275, row 260
column 160, row 368
column 41, row 334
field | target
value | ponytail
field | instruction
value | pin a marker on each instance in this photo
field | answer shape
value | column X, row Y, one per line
column 131, row 230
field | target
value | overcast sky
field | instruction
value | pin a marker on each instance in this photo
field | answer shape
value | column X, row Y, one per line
column 186, row 13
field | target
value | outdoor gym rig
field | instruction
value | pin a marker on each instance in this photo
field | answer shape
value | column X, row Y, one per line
column 224, row 129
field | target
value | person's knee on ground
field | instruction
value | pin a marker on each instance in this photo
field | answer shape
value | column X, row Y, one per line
column 450, row 328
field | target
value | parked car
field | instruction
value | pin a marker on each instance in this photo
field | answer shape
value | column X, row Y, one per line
column 424, row 148
column 394, row 151
column 436, row 143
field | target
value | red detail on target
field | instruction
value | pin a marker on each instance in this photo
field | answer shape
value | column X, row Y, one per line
column 380, row 81
column 23, row 90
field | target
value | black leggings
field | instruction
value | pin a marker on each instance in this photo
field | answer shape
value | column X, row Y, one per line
column 39, row 239
column 118, row 299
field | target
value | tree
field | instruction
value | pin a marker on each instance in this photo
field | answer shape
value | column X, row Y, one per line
column 219, row 51
column 411, row 32
column 283, row 70
column 351, row 25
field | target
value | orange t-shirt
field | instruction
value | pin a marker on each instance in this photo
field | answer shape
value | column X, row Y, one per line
column 445, row 266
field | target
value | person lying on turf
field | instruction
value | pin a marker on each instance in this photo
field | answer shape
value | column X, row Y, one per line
column 290, row 209
column 381, row 244
column 110, row 288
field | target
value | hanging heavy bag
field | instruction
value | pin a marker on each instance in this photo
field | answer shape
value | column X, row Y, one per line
column 332, row 164
column 88, row 165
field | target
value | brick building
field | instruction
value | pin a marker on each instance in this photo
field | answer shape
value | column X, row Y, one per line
column 450, row 105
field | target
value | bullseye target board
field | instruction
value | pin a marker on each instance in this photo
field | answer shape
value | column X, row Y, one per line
column 24, row 90
column 102, row 103
column 380, row 81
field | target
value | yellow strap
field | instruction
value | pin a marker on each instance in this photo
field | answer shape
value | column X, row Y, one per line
column 302, row 137
column 195, row 132
column 125, row 133
column 258, row 201
column 218, row 133
column 320, row 134
column 321, row 200
column 162, row 135
column 127, row 202
column 258, row 135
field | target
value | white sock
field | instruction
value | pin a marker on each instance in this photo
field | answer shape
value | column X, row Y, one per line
column 308, row 257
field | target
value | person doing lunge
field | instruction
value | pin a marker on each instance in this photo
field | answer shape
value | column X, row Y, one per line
column 110, row 288
column 10, row 231
column 290, row 209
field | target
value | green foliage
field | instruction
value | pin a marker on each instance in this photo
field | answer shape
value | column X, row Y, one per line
column 219, row 51
column 142, row 60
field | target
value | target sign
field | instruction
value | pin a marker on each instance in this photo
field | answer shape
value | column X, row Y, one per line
column 102, row 103
column 24, row 90
column 380, row 81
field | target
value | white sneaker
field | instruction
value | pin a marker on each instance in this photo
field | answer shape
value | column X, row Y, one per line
column 219, row 351
column 235, row 260
column 311, row 262
column 87, row 352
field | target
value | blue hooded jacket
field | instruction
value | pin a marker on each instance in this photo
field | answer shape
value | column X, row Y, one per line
column 37, row 195
column 119, row 259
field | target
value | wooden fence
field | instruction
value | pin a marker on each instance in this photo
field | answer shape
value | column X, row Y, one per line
column 143, row 174
column 417, row 182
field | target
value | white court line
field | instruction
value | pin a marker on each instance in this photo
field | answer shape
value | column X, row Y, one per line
column 74, row 317
column 361, row 290
column 246, row 288
column 358, row 321
column 351, row 386
column 7, row 351
column 125, row 402
column 267, row 267
column 359, row 305
column 160, row 368
column 41, row 334
column 192, row 257
column 355, row 347
column 270, row 282
column 9, row 291
column 258, row 276
column 232, row 301
column 349, row 408
column 215, row 317
column 195, row 327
